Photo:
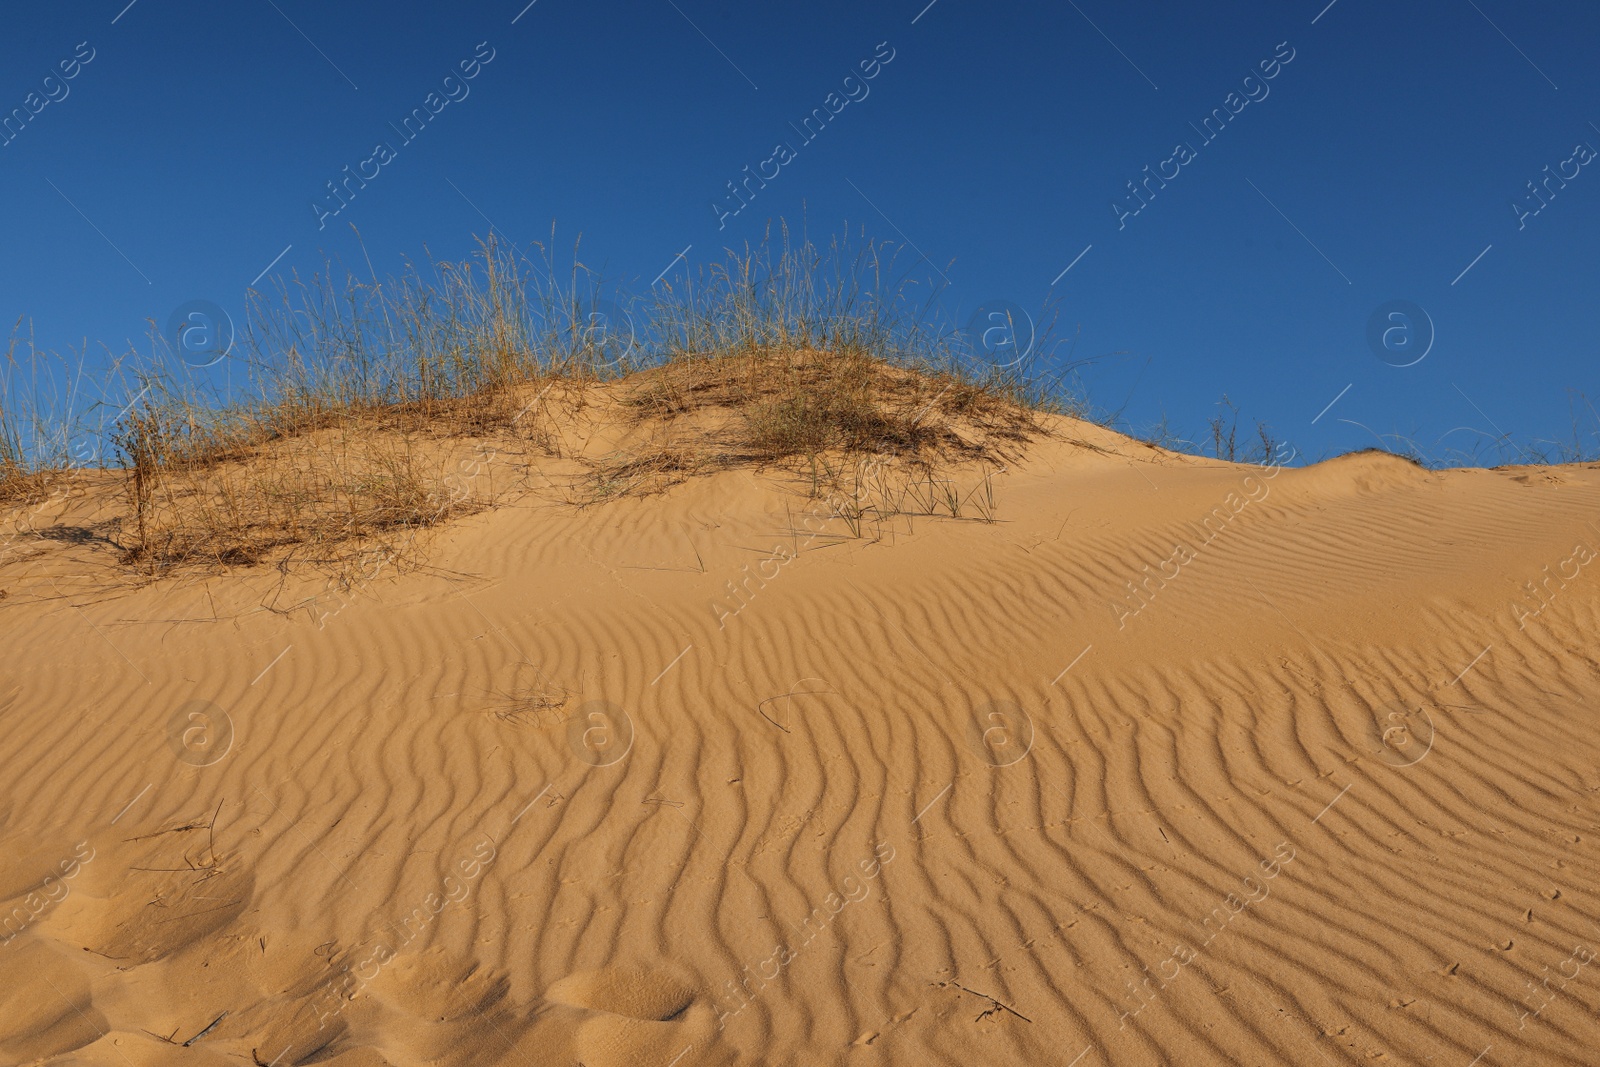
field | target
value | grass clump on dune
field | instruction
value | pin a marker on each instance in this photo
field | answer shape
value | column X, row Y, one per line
column 371, row 406
column 795, row 355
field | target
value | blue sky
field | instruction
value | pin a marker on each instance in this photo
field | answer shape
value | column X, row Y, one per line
column 1380, row 161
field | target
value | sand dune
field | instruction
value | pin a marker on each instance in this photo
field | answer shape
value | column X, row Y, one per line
column 1176, row 762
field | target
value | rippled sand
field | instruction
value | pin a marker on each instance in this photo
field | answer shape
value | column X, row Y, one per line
column 1177, row 762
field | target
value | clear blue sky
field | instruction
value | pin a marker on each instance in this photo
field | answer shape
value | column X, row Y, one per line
column 1375, row 165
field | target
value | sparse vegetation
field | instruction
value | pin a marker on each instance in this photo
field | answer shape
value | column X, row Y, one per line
column 370, row 406
column 366, row 398
column 1225, row 436
column 1582, row 443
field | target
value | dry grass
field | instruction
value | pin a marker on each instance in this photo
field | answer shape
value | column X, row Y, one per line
column 812, row 412
column 379, row 409
column 324, row 492
column 804, row 402
column 34, row 428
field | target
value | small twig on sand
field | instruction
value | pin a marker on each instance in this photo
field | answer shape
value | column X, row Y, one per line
column 171, row 830
column 998, row 1005
column 206, row 1031
column 789, row 696
column 762, row 708
column 211, row 836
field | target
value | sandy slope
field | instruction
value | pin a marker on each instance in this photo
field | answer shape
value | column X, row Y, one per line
column 678, row 781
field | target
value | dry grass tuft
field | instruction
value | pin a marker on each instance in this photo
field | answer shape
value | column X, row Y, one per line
column 320, row 492
column 772, row 405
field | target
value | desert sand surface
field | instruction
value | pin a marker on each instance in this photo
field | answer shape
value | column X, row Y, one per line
column 1175, row 761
